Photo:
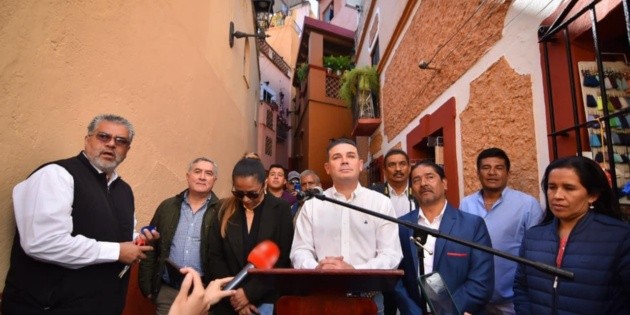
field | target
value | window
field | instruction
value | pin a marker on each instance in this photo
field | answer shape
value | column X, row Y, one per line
column 328, row 13
column 268, row 146
column 266, row 96
column 269, row 119
column 376, row 55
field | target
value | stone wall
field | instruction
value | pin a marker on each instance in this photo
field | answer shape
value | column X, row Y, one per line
column 440, row 31
column 499, row 114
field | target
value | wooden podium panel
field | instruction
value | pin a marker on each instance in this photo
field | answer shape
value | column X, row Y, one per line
column 323, row 304
column 317, row 291
column 336, row 281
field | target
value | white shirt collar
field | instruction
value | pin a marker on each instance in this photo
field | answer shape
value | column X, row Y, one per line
column 392, row 191
column 355, row 192
column 438, row 218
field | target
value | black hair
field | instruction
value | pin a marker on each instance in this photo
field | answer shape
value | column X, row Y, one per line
column 334, row 142
column 592, row 178
column 438, row 169
column 247, row 167
column 493, row 152
column 395, row 152
column 284, row 170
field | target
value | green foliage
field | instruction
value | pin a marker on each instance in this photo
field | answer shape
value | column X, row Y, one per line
column 338, row 63
column 356, row 80
column 330, row 61
column 344, row 63
column 302, row 72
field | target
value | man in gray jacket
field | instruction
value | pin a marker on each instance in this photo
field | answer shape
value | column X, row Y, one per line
column 183, row 222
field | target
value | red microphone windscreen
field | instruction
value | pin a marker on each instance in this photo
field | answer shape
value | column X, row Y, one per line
column 264, row 255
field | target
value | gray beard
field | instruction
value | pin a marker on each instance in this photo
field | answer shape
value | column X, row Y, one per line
column 105, row 166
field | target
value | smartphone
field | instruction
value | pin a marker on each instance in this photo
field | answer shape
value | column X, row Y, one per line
column 174, row 275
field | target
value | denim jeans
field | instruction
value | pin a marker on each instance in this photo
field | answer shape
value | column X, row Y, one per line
column 265, row 309
column 378, row 300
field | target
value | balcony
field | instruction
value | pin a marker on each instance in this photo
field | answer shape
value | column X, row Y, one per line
column 333, row 84
column 366, row 116
column 283, row 130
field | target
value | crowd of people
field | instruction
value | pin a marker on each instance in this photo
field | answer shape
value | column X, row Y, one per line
column 76, row 235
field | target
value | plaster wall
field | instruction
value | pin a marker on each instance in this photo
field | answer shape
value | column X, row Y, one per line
column 507, row 36
column 278, row 81
column 285, row 39
column 344, row 16
column 164, row 65
column 387, row 11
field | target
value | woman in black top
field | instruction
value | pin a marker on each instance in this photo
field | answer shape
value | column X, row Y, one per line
column 245, row 219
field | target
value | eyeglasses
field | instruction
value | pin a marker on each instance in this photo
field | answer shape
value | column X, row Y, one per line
column 250, row 194
column 106, row 138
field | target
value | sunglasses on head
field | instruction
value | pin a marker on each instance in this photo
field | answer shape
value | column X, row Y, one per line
column 106, row 138
column 250, row 194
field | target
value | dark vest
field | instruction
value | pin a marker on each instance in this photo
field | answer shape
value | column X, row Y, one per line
column 98, row 213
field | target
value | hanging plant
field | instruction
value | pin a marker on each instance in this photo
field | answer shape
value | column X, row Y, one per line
column 302, row 72
column 363, row 79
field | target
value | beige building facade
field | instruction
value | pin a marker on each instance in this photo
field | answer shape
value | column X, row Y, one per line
column 166, row 66
column 456, row 79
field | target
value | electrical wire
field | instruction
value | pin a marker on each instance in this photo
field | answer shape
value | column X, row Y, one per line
column 457, row 30
column 491, row 11
column 435, row 73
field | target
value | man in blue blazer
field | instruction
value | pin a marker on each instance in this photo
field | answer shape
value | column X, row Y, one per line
column 468, row 273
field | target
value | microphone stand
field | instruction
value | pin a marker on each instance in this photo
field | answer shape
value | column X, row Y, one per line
column 538, row 265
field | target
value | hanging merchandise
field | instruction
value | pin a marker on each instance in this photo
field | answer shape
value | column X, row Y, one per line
column 615, row 116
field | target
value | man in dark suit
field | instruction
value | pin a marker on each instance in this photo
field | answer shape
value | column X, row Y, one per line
column 396, row 185
column 468, row 273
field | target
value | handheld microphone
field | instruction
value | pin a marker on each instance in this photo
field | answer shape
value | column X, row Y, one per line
column 309, row 193
column 263, row 256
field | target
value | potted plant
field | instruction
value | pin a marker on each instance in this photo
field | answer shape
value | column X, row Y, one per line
column 330, row 62
column 337, row 64
column 302, row 72
column 344, row 63
column 358, row 86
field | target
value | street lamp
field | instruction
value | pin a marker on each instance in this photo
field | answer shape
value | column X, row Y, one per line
column 264, row 13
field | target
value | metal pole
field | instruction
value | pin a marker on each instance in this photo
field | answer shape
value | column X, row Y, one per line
column 574, row 105
column 552, row 115
column 602, row 89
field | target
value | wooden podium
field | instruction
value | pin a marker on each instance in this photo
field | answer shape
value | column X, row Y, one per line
column 316, row 291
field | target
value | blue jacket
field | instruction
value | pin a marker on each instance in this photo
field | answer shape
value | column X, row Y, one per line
column 597, row 252
column 468, row 273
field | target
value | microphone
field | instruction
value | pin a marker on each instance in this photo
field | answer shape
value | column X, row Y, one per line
column 309, row 193
column 263, row 256
column 420, row 238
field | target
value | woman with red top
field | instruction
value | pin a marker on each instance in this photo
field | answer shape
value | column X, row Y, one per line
column 583, row 232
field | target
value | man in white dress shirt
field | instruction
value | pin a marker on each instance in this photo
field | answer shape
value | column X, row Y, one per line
column 75, row 221
column 329, row 236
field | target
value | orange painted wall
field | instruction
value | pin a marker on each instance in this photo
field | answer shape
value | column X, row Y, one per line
column 327, row 122
column 166, row 66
